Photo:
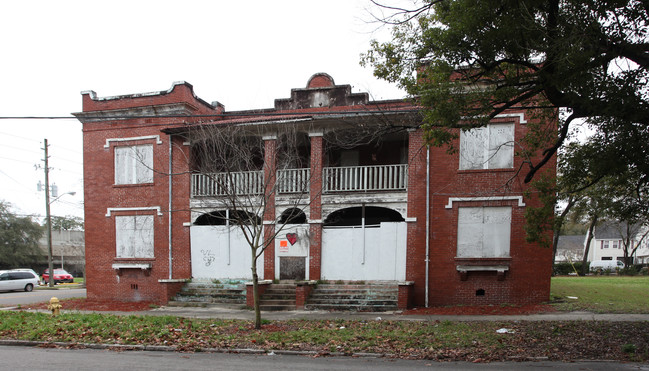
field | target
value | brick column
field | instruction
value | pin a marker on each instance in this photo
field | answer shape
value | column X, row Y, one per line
column 315, row 209
column 270, row 168
column 416, row 247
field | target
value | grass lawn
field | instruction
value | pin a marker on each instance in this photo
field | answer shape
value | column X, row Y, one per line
column 434, row 340
column 601, row 294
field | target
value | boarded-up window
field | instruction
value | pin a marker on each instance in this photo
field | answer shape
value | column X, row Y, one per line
column 483, row 232
column 134, row 164
column 490, row 147
column 134, row 236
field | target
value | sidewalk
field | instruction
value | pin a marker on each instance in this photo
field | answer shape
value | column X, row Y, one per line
column 224, row 312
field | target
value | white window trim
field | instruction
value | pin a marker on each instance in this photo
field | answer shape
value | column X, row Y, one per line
column 119, row 140
column 477, row 199
column 110, row 210
column 521, row 117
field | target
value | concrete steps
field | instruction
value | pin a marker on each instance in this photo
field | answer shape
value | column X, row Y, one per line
column 279, row 296
column 377, row 297
column 202, row 293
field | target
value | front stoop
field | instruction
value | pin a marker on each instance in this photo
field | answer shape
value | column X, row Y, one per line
column 201, row 293
column 278, row 296
column 374, row 297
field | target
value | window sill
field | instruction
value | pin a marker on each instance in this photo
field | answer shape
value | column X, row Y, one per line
column 466, row 265
column 145, row 267
column 133, row 185
column 471, row 171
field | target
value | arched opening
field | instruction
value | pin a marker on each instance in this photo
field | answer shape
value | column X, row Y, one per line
column 223, row 217
column 292, row 216
column 353, row 216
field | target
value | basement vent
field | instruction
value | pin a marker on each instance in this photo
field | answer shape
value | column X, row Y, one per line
column 134, row 286
column 479, row 292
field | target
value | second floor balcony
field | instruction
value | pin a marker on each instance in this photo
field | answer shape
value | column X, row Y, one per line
column 377, row 178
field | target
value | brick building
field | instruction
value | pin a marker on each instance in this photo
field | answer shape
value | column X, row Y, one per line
column 373, row 210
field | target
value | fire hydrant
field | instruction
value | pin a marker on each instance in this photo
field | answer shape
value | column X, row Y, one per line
column 55, row 306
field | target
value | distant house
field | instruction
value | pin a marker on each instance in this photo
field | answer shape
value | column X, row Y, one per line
column 150, row 213
column 608, row 242
column 570, row 249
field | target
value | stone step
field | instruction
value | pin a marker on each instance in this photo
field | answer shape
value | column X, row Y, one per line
column 333, row 294
column 354, row 301
column 212, row 292
column 353, row 296
column 277, row 302
column 278, row 297
column 282, row 293
column 275, row 308
column 347, row 307
column 348, row 288
column 208, row 292
column 204, row 304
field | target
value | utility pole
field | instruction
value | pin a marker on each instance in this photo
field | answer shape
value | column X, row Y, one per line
column 50, row 264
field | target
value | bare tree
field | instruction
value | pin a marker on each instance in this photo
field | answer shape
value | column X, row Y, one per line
column 244, row 169
column 632, row 236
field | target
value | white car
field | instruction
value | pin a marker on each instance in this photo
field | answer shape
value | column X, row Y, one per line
column 606, row 265
column 18, row 280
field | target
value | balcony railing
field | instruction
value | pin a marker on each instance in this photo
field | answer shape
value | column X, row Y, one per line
column 335, row 179
column 293, row 180
column 365, row 178
column 222, row 184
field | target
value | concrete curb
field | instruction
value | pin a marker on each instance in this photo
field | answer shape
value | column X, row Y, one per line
column 163, row 348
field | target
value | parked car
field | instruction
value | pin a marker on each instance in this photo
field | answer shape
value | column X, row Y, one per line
column 18, row 280
column 60, row 275
column 606, row 265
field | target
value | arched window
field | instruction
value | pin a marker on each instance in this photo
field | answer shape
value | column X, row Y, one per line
column 352, row 216
column 220, row 217
column 292, row 216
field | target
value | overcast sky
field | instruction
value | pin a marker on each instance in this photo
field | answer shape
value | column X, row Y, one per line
column 243, row 54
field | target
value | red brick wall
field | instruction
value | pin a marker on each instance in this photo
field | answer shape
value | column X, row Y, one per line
column 526, row 281
column 528, row 278
column 100, row 192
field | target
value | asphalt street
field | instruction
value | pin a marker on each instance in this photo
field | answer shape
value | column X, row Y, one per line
column 37, row 358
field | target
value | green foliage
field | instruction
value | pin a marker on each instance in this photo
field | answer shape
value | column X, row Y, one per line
column 67, row 223
column 538, row 220
column 466, row 61
column 573, row 228
column 566, row 268
column 629, row 348
column 18, row 239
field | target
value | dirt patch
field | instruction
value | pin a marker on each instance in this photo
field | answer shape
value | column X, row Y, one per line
column 483, row 310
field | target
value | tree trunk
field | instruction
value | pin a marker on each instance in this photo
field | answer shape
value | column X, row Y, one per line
column 584, row 260
column 255, row 289
column 557, row 227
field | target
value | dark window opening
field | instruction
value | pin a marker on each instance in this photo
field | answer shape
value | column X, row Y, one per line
column 220, row 217
column 479, row 292
column 352, row 216
column 292, row 216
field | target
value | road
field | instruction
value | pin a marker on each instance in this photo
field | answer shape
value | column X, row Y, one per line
column 13, row 298
column 34, row 358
